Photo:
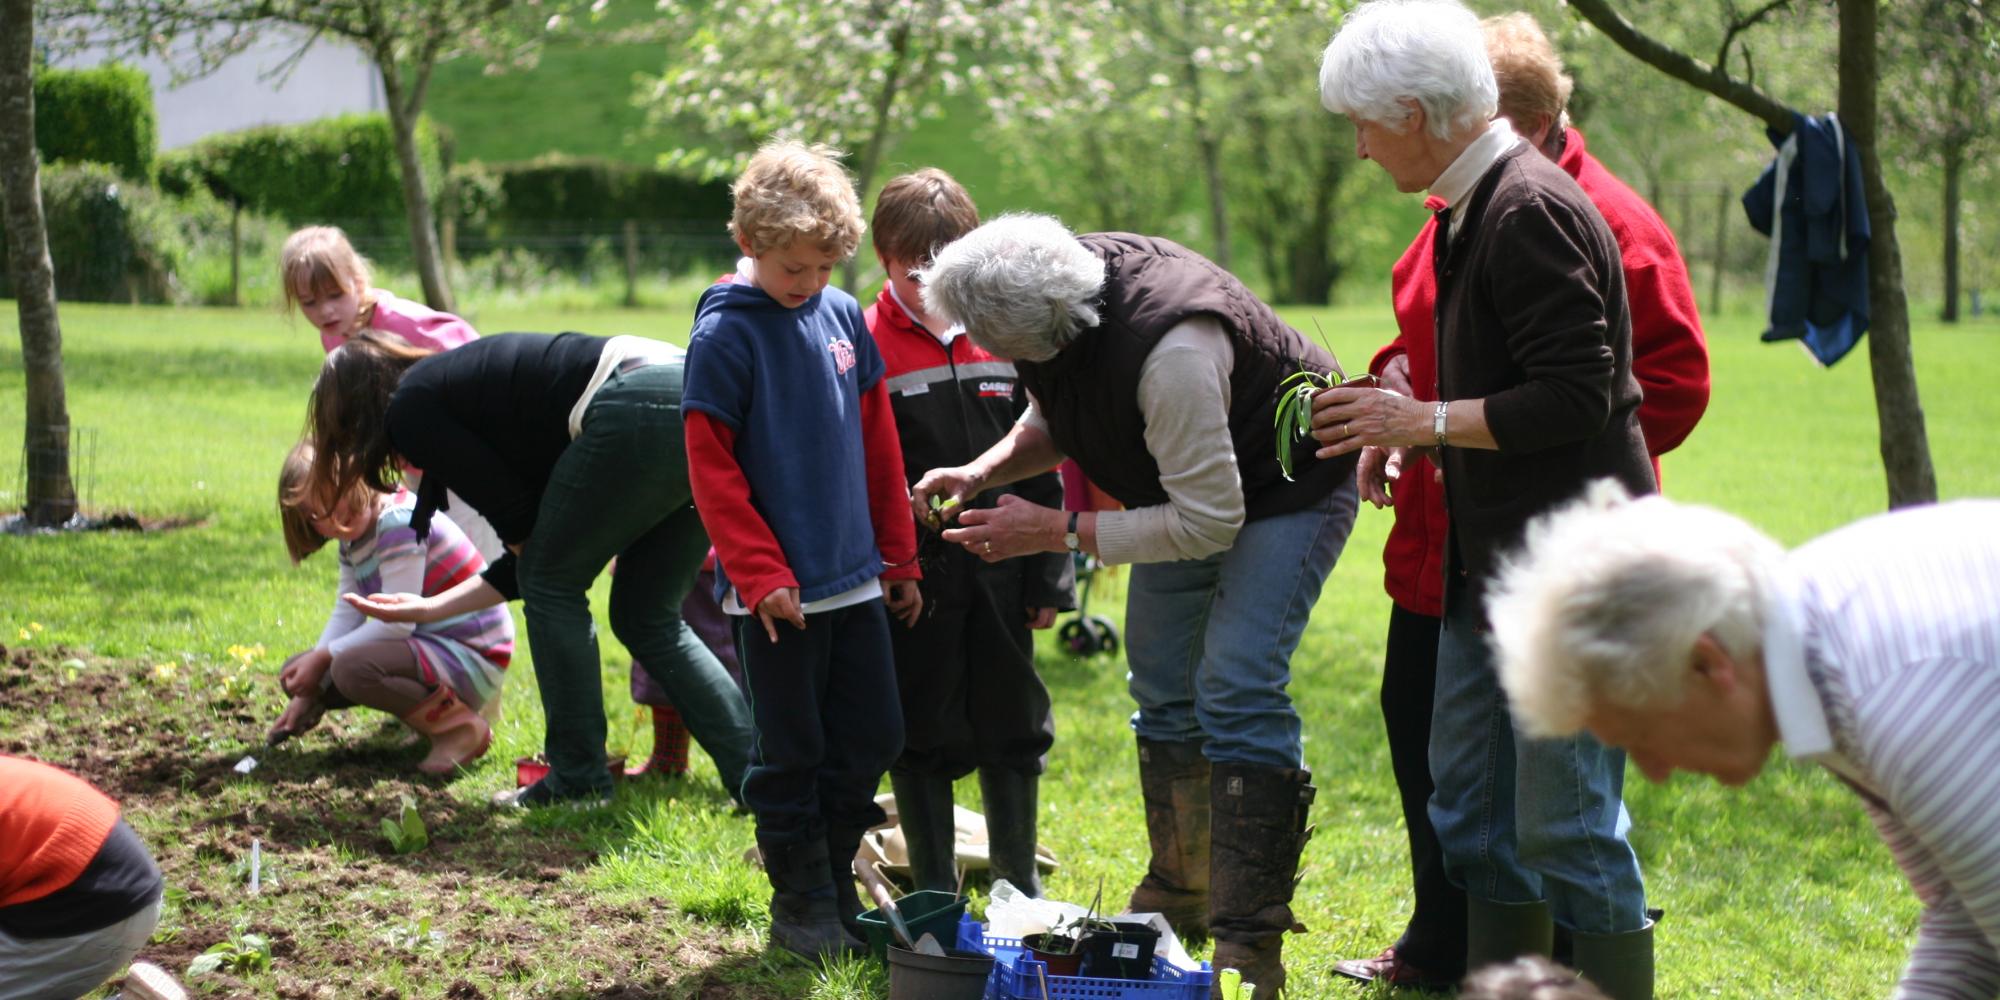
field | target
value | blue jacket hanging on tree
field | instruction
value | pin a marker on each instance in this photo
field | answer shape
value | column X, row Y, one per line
column 1817, row 277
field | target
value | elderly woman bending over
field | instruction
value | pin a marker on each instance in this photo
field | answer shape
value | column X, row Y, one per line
column 1158, row 372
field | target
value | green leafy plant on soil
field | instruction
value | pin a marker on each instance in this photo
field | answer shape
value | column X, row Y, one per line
column 405, row 830
column 242, row 951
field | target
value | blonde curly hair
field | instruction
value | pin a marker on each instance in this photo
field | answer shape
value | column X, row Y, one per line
column 793, row 191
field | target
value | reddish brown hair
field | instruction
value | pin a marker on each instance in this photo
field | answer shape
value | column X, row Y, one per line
column 347, row 419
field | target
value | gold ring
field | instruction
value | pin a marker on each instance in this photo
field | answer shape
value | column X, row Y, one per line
column 989, row 545
column 1347, row 428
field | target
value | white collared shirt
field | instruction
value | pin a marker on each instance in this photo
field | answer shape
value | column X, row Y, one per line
column 1458, row 180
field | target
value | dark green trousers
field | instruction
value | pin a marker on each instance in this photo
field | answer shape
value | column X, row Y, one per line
column 621, row 489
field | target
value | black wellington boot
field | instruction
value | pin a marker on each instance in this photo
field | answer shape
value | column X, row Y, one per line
column 840, row 848
column 1257, row 828
column 1502, row 932
column 804, row 920
column 923, row 809
column 1010, row 825
column 1619, row 964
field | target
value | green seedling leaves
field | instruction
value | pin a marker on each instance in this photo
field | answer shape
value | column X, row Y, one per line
column 405, row 831
column 242, row 952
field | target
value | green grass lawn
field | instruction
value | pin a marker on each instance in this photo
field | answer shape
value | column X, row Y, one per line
column 119, row 665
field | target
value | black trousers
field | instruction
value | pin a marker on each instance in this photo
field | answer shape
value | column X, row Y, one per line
column 966, row 673
column 1434, row 940
column 828, row 722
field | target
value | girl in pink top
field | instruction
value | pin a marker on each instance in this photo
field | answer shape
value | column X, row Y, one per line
column 329, row 282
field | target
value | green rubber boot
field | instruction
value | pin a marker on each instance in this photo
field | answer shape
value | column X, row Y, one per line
column 1500, row 932
column 1619, row 964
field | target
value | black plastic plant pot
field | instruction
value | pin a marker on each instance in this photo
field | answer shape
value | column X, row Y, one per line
column 1059, row 953
column 1120, row 951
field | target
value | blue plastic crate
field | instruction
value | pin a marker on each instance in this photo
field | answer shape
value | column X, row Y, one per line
column 1015, row 975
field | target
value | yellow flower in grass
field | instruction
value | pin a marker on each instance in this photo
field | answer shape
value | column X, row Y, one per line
column 165, row 671
column 35, row 626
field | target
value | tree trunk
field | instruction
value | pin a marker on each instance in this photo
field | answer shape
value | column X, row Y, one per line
column 1906, row 453
column 424, row 250
column 1954, row 170
column 51, row 496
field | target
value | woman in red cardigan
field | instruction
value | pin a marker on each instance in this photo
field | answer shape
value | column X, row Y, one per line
column 79, row 895
column 1670, row 360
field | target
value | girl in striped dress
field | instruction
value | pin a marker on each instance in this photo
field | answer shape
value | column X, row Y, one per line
column 433, row 676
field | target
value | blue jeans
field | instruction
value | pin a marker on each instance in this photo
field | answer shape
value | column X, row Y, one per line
column 1209, row 641
column 1523, row 819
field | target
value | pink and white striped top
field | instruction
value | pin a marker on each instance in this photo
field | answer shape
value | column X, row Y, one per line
column 1882, row 650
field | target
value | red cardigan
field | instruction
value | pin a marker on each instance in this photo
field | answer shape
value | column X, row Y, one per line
column 52, row 824
column 1669, row 358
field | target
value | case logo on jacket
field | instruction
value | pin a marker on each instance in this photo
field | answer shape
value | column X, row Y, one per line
column 843, row 355
column 996, row 390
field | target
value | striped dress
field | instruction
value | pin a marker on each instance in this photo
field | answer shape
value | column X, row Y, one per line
column 467, row 653
column 1893, row 683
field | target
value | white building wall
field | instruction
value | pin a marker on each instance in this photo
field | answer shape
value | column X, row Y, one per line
column 332, row 78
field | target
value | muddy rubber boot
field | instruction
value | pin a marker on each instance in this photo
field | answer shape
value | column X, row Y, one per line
column 840, row 848
column 458, row 734
column 1257, row 828
column 804, row 916
column 1010, row 826
column 923, row 809
column 1501, row 932
column 670, row 746
column 1619, row 964
column 1173, row 778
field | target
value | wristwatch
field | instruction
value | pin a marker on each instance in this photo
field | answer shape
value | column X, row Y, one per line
column 1071, row 540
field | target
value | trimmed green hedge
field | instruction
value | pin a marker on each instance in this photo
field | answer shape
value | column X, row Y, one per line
column 115, row 241
column 331, row 169
column 568, row 190
column 98, row 115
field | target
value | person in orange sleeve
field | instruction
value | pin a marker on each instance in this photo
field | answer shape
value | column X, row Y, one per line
column 79, row 894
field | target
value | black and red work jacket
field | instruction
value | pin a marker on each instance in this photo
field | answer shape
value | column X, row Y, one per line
column 952, row 400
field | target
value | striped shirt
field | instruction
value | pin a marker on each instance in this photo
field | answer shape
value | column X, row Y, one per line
column 1883, row 654
column 467, row 653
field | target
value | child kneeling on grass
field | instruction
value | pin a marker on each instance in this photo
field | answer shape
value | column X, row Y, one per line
column 799, row 479
column 434, row 676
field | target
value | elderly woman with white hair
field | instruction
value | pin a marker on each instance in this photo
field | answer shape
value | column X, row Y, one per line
column 1158, row 373
column 1535, row 397
column 1692, row 640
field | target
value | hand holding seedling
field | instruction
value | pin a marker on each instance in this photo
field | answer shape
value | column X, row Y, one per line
column 1013, row 527
column 1347, row 418
column 779, row 605
column 939, row 495
column 904, row 600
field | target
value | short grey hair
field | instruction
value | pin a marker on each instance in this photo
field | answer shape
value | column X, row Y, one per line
column 1605, row 601
column 1022, row 286
column 1388, row 52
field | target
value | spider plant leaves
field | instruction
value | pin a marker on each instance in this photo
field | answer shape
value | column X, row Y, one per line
column 1293, row 419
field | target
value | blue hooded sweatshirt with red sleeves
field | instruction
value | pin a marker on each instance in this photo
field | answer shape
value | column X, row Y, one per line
column 792, row 447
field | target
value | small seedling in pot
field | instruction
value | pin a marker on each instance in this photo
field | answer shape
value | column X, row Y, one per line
column 405, row 831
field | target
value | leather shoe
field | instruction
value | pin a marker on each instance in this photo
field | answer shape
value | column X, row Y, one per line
column 1388, row 968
